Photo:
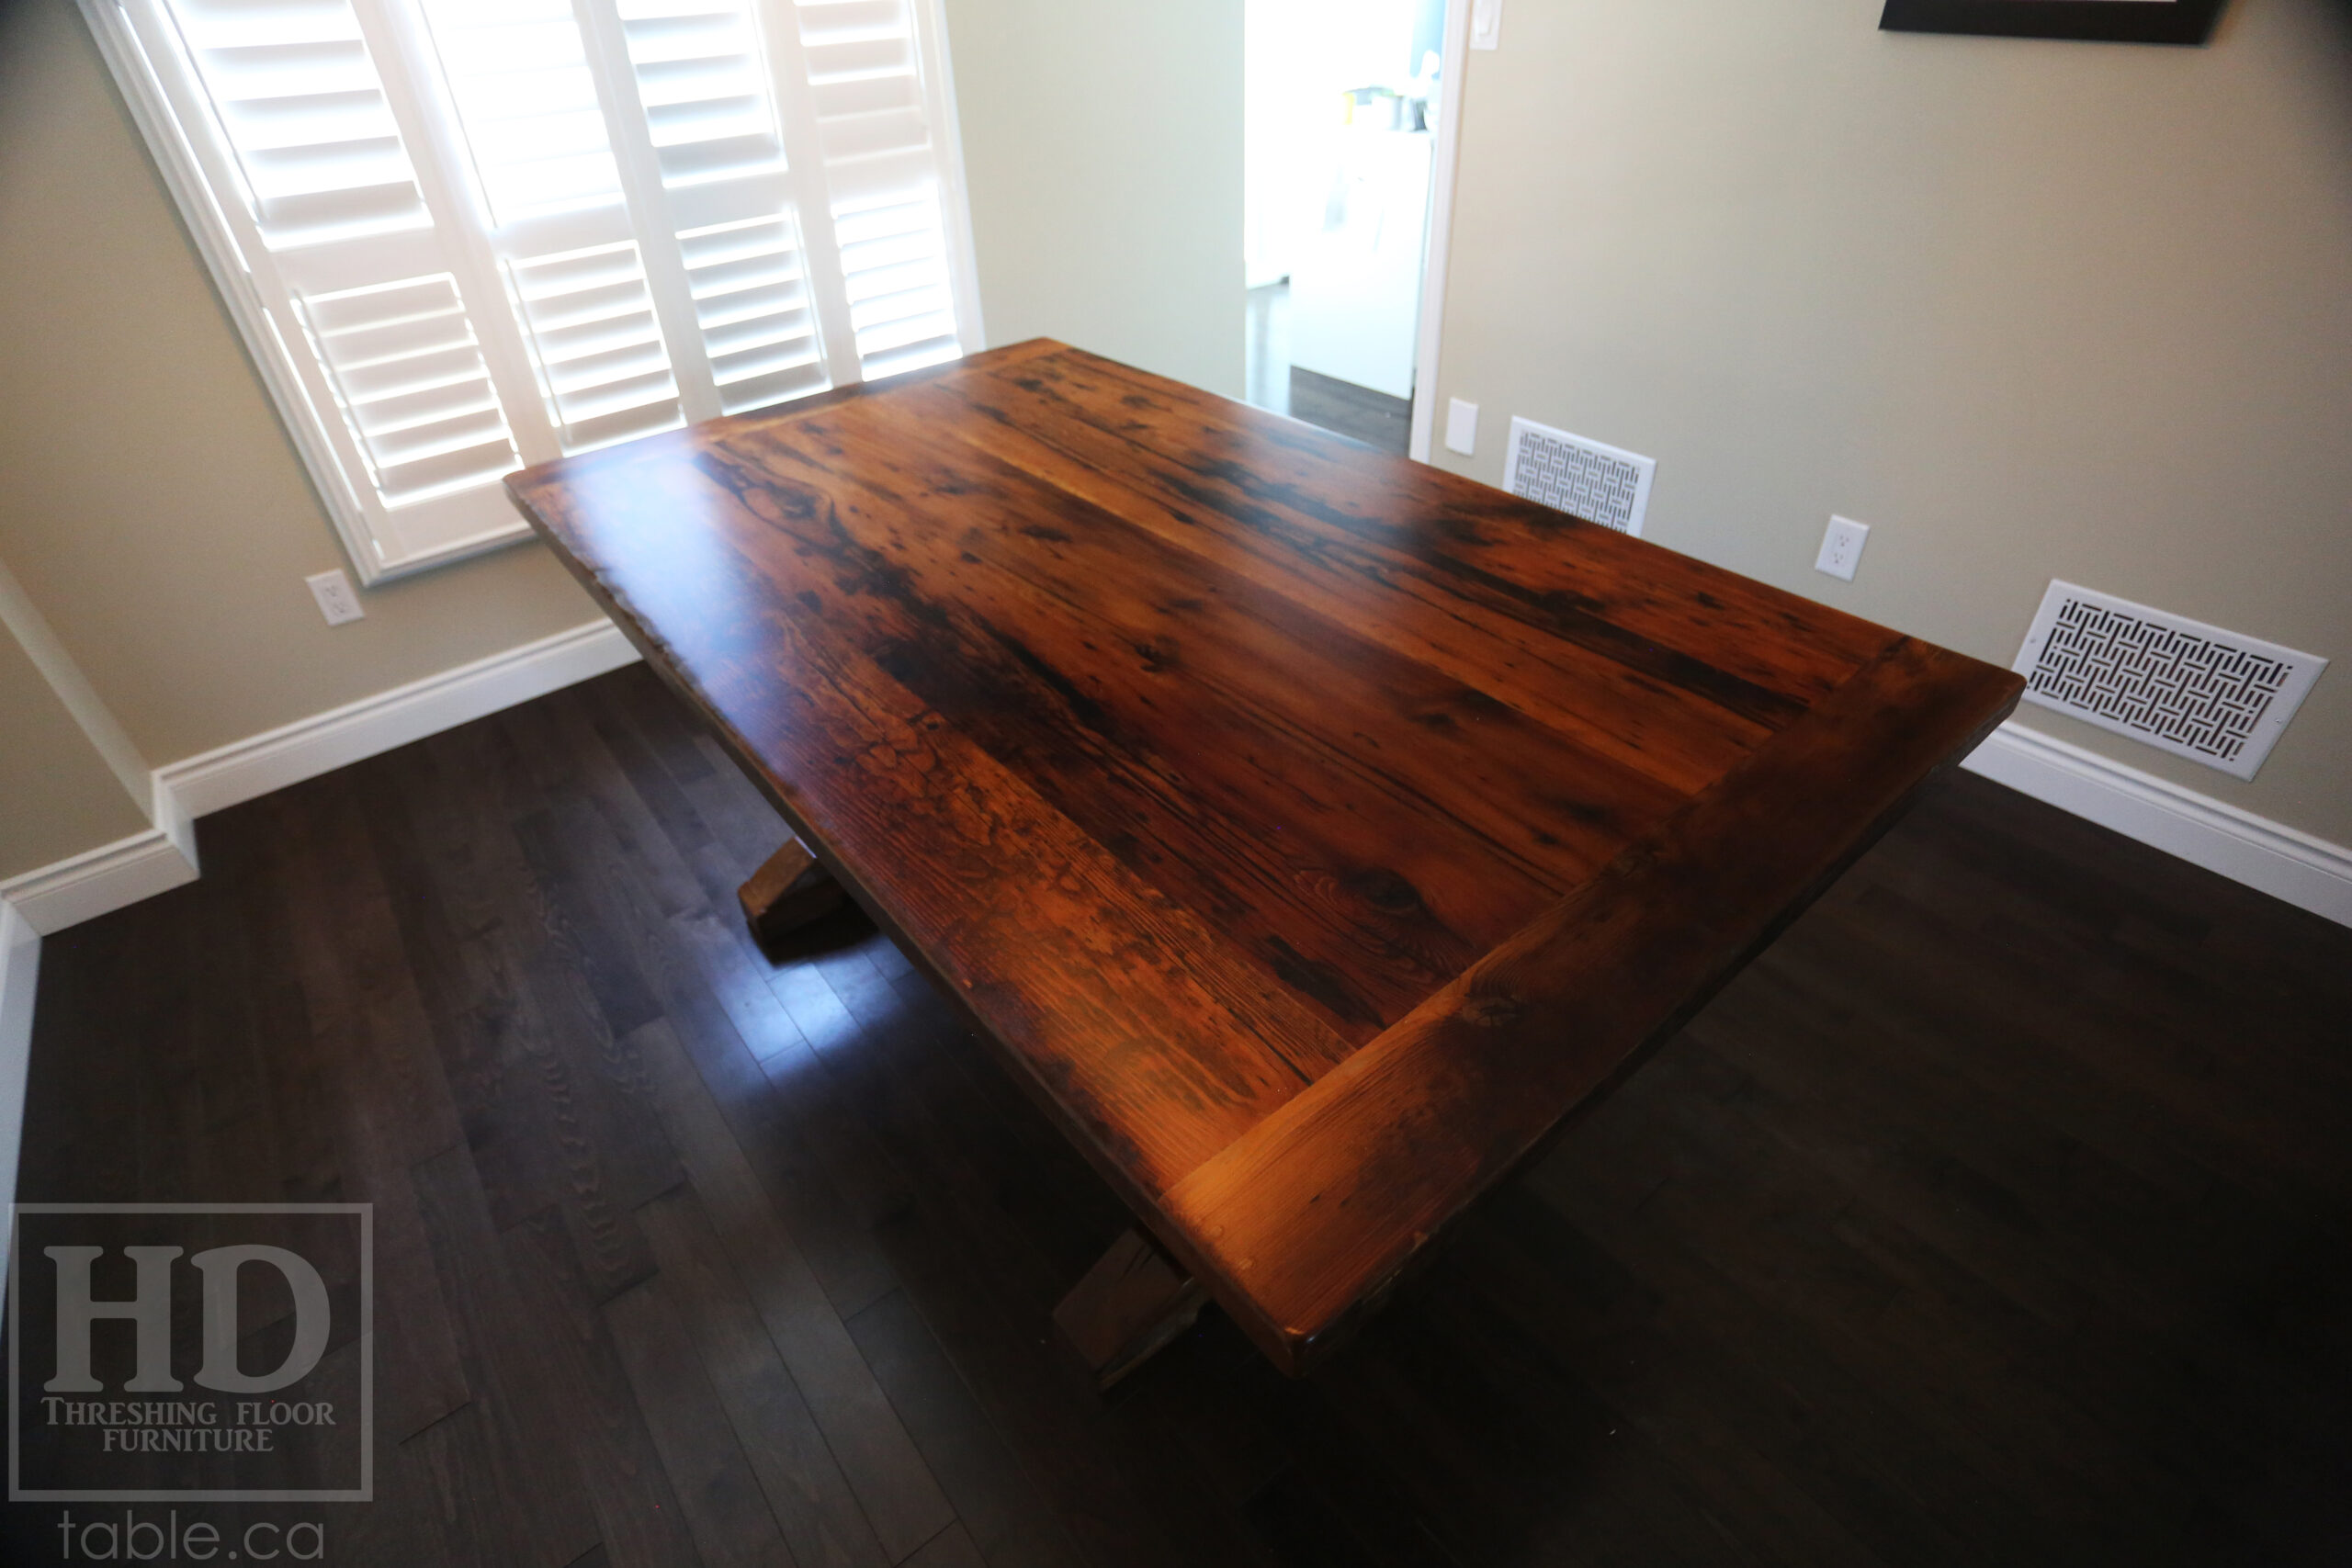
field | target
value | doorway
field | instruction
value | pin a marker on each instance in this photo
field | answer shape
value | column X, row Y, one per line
column 1341, row 100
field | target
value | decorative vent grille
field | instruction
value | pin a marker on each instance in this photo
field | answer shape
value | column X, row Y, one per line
column 2189, row 688
column 1597, row 483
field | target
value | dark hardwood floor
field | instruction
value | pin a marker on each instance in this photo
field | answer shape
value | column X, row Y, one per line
column 1380, row 422
column 2001, row 1215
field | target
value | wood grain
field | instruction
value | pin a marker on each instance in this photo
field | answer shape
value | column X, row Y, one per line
column 1198, row 755
column 789, row 890
column 1316, row 1209
column 1132, row 1302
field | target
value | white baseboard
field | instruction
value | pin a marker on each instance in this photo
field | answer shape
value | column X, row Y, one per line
column 246, row 769
column 19, row 968
column 105, row 879
column 2304, row 871
column 100, row 881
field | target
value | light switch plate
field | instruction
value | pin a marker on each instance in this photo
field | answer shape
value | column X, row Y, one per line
column 1486, row 23
column 337, row 602
column 1841, row 548
column 1460, row 426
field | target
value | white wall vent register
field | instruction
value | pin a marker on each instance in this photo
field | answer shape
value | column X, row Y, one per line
column 1597, row 483
column 2212, row 695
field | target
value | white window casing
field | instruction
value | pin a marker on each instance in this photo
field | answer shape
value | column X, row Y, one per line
column 461, row 236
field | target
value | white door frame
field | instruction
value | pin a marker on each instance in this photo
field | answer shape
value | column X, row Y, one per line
column 1438, row 239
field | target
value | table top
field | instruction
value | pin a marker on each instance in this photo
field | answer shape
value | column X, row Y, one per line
column 1313, row 830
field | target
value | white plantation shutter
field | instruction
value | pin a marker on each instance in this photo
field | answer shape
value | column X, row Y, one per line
column 464, row 235
column 864, row 70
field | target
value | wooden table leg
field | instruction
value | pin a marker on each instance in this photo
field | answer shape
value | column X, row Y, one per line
column 787, row 893
column 1132, row 1301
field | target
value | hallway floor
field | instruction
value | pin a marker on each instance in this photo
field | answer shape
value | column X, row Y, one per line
column 1373, row 418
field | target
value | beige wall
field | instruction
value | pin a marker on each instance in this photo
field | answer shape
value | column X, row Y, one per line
column 2030, row 309
column 1103, row 148
column 152, row 504
column 58, row 796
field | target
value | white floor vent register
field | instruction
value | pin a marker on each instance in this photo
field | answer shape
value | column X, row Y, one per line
column 1597, row 483
column 2212, row 695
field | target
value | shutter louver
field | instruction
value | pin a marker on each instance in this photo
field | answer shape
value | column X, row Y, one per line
column 701, row 76
column 752, row 300
column 526, row 98
column 881, row 172
column 302, row 107
column 335, row 200
column 462, row 235
column 408, row 376
column 519, row 78
column 602, row 367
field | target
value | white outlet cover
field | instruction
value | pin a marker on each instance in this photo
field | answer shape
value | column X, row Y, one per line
column 337, row 602
column 1460, row 426
column 1841, row 548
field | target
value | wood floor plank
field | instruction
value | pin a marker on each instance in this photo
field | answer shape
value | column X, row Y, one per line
column 993, row 1497
column 1914, row 1511
column 1559, row 1288
column 701, row 965
column 355, row 971
column 462, row 1482
column 838, row 1185
column 347, row 1146
column 820, row 1518
column 806, row 1193
column 527, row 1407
column 546, row 1095
column 718, row 1488
column 1029, row 1390
column 951, row 1548
column 901, row 1499
column 638, row 1515
column 406, row 1521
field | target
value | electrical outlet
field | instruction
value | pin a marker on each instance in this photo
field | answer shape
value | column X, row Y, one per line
column 1486, row 23
column 337, row 602
column 1460, row 426
column 1841, row 548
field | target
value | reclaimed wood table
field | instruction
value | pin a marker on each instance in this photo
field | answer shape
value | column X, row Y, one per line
column 1312, row 831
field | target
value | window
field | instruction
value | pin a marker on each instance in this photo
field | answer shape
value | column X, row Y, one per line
column 466, row 235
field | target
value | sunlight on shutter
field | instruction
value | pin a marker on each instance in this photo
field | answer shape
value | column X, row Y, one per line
column 329, row 183
column 409, row 373
column 882, row 171
column 702, row 77
column 528, row 105
column 599, row 350
column 527, row 101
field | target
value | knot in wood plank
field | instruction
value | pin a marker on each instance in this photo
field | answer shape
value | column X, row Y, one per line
column 1498, row 1010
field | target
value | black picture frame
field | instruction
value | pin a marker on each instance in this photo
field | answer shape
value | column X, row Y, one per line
column 2118, row 21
